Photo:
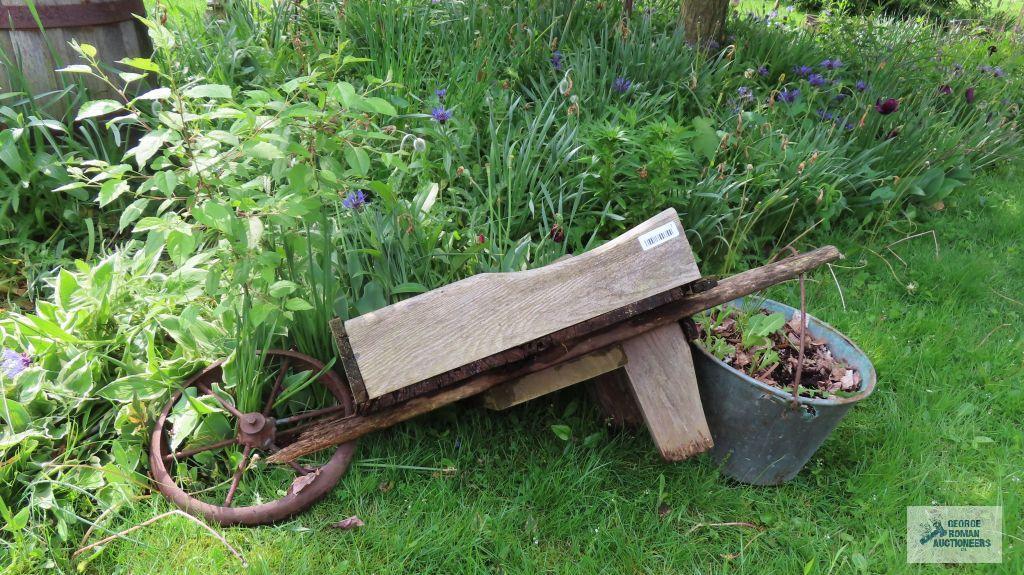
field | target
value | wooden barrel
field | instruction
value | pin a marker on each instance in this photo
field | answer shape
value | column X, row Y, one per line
column 29, row 55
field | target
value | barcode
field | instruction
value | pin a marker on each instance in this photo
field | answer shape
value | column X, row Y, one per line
column 658, row 236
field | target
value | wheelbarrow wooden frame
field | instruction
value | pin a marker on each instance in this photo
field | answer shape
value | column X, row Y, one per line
column 595, row 335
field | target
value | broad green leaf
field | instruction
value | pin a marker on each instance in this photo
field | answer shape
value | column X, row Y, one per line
column 131, row 213
column 208, row 91
column 282, row 288
column 408, row 287
column 76, row 69
column 297, row 304
column 263, row 151
column 141, row 64
column 357, row 159
column 155, row 94
column 85, row 49
column 563, row 432
column 214, row 215
column 378, row 106
column 95, row 108
column 148, row 146
column 140, row 386
column 18, row 522
column 14, row 414
column 111, row 190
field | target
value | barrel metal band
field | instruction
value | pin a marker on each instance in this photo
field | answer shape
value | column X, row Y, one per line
column 70, row 15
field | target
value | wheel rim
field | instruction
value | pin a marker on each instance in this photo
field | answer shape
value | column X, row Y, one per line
column 255, row 433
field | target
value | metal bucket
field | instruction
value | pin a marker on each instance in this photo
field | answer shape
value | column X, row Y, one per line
column 759, row 437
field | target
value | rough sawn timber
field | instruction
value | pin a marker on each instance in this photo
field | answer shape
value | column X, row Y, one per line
column 664, row 384
column 336, row 431
column 477, row 324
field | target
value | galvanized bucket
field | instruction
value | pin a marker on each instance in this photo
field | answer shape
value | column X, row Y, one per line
column 759, row 437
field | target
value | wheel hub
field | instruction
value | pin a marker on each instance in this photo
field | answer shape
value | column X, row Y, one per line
column 256, row 431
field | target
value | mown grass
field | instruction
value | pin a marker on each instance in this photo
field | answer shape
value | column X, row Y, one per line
column 943, row 427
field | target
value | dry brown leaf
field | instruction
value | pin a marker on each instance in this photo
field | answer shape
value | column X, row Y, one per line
column 348, row 523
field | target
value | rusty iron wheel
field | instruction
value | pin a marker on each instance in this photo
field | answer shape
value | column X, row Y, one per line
column 255, row 433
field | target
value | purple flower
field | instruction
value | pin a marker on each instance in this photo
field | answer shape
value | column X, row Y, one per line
column 441, row 115
column 355, row 200
column 840, row 97
column 969, row 95
column 816, row 80
column 998, row 72
column 957, row 69
column 789, row 96
column 12, row 363
column 886, row 106
column 441, row 93
column 762, row 71
column 945, row 89
column 803, row 71
column 861, row 86
column 745, row 93
column 825, row 115
column 832, row 64
column 621, row 85
column 556, row 60
column 985, row 68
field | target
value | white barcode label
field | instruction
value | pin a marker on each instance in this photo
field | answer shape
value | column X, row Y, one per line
column 659, row 235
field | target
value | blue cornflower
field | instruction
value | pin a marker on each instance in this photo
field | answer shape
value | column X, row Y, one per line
column 12, row 363
column 441, row 93
column 998, row 72
column 840, row 97
column 762, row 71
column 789, row 96
column 985, row 68
column 621, row 85
column 816, row 80
column 861, row 86
column 441, row 115
column 832, row 64
column 355, row 200
column 556, row 60
column 802, row 71
column 745, row 93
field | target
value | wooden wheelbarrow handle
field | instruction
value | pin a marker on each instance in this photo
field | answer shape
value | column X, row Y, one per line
column 336, row 431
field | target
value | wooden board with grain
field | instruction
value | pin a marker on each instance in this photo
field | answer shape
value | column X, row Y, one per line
column 480, row 317
column 664, row 384
column 554, row 378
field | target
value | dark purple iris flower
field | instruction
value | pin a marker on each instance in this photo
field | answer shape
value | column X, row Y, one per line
column 621, row 85
column 355, row 200
column 803, row 71
column 886, row 106
column 556, row 60
column 861, row 86
column 945, row 89
column 789, row 96
column 816, row 80
column 441, row 115
column 969, row 95
column 832, row 64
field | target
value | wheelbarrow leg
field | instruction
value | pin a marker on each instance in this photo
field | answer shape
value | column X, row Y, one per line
column 664, row 385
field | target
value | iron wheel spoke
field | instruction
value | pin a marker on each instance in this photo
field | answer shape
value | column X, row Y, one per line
column 196, row 450
column 237, row 477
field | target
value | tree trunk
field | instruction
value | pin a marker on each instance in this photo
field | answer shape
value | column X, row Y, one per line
column 704, row 20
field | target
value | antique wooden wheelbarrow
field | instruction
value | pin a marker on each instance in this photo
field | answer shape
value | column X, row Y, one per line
column 612, row 314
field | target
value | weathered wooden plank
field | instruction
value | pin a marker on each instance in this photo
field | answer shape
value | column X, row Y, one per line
column 554, row 378
column 484, row 315
column 664, row 384
column 335, row 431
column 614, row 397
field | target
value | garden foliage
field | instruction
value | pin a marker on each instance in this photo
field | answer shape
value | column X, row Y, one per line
column 266, row 172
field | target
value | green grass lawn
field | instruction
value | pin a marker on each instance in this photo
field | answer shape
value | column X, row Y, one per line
column 943, row 427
